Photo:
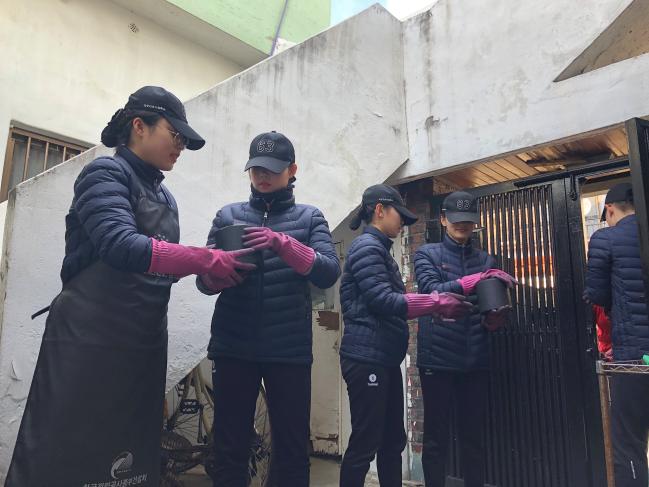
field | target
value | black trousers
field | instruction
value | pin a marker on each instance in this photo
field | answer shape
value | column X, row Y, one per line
column 288, row 393
column 439, row 389
column 376, row 405
column 629, row 429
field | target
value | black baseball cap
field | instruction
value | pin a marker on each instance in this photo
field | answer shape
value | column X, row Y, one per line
column 461, row 206
column 157, row 100
column 272, row 151
column 620, row 193
column 388, row 196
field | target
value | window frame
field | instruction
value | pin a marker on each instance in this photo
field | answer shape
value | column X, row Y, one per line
column 41, row 137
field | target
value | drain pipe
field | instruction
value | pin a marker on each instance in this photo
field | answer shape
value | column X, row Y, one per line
column 279, row 28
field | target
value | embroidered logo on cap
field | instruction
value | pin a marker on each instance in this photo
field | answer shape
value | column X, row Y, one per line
column 155, row 107
column 265, row 145
column 463, row 204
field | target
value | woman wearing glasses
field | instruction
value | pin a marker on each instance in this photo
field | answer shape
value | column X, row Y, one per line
column 94, row 411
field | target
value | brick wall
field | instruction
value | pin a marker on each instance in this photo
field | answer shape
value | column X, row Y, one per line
column 417, row 196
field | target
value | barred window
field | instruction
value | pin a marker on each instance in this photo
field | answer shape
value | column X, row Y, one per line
column 29, row 154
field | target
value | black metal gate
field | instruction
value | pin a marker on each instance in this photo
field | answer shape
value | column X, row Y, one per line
column 541, row 417
column 544, row 426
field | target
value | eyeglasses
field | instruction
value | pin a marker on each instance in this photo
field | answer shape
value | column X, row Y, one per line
column 179, row 139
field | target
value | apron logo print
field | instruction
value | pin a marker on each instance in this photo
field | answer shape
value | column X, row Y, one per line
column 372, row 380
column 122, row 465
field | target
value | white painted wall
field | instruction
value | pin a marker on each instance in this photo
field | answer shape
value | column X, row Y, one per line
column 339, row 96
column 479, row 79
column 67, row 65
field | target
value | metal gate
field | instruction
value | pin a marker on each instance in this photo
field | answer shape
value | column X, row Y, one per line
column 544, row 425
column 536, row 434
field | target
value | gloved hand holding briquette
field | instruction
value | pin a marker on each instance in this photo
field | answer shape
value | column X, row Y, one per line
column 469, row 282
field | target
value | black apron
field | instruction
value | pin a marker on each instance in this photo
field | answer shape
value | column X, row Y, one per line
column 94, row 412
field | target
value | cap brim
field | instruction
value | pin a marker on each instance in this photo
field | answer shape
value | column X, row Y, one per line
column 271, row 163
column 408, row 216
column 194, row 141
column 462, row 216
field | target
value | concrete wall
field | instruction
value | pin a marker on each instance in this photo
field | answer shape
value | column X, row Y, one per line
column 68, row 65
column 54, row 82
column 349, row 132
column 626, row 37
column 479, row 79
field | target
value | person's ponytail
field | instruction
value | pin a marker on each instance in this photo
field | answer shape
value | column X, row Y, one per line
column 364, row 214
column 118, row 130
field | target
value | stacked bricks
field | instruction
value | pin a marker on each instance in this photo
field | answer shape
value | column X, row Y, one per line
column 417, row 196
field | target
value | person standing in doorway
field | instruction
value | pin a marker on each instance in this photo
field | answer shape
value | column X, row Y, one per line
column 261, row 329
column 453, row 360
column 614, row 281
column 94, row 411
column 375, row 309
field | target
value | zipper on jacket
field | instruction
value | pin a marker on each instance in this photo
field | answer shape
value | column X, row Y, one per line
column 468, row 330
column 264, row 221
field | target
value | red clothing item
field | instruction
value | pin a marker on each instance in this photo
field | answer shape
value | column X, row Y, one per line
column 603, row 323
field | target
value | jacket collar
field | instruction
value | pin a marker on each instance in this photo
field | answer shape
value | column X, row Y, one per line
column 453, row 246
column 144, row 170
column 382, row 237
column 278, row 201
column 630, row 219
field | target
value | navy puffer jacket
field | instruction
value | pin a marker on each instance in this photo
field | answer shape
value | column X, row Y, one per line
column 267, row 318
column 463, row 345
column 101, row 222
column 373, row 302
column 614, row 281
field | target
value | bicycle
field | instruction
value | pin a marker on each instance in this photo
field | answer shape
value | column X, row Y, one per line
column 187, row 440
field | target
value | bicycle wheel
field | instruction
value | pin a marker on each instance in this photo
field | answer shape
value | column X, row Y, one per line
column 260, row 452
column 178, row 455
column 169, row 479
column 186, row 438
column 204, row 394
column 191, row 407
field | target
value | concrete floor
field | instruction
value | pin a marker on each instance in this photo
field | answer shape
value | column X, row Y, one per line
column 324, row 473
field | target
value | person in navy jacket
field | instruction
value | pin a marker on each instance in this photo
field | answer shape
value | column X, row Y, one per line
column 261, row 327
column 614, row 281
column 454, row 360
column 97, row 395
column 375, row 309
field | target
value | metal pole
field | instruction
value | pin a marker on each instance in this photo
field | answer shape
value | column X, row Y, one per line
column 605, row 404
column 606, row 370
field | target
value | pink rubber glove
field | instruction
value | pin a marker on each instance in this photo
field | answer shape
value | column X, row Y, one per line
column 297, row 255
column 446, row 305
column 469, row 282
column 181, row 260
column 496, row 319
column 502, row 275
